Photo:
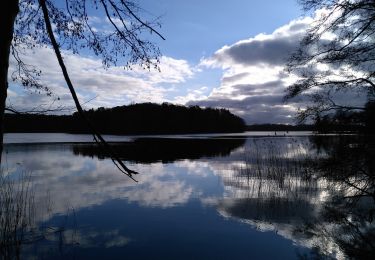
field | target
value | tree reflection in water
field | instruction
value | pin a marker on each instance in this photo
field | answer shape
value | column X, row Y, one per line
column 347, row 214
column 151, row 150
column 319, row 193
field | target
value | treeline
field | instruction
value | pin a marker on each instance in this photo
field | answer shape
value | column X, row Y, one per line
column 325, row 124
column 145, row 118
column 280, row 127
column 346, row 120
column 342, row 120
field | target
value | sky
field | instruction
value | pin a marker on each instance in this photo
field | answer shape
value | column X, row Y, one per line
column 227, row 54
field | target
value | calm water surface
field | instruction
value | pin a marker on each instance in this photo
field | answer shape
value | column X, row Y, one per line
column 205, row 197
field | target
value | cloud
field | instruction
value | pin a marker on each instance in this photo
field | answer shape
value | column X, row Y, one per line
column 272, row 51
column 263, row 49
column 255, row 109
column 111, row 87
column 254, row 82
column 192, row 94
column 119, row 241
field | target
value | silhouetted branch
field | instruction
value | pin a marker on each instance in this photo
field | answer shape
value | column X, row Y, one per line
column 139, row 20
column 347, row 55
column 97, row 137
column 38, row 110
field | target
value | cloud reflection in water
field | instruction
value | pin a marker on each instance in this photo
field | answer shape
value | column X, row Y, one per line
column 263, row 184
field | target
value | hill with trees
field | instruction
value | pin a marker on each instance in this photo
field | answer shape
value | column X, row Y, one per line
column 145, row 118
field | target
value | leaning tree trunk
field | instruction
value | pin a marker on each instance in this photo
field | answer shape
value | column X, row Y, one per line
column 8, row 13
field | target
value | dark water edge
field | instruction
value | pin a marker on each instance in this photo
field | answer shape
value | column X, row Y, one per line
column 209, row 198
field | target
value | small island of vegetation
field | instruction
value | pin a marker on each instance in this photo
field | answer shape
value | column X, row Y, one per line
column 144, row 118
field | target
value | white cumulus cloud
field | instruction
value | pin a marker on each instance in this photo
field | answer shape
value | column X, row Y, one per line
column 110, row 87
column 254, row 80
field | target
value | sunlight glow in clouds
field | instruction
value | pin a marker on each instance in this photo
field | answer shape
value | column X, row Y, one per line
column 253, row 80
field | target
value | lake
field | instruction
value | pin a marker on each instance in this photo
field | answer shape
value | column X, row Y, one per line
column 260, row 195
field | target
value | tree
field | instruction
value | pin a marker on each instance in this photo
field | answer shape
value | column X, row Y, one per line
column 335, row 57
column 36, row 23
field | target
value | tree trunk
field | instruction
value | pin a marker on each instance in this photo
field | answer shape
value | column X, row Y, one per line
column 8, row 13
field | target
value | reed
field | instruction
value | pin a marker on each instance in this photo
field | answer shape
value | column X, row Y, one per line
column 277, row 168
column 19, row 221
column 17, row 213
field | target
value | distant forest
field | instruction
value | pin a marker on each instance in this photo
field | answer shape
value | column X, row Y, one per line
column 145, row 118
column 280, row 127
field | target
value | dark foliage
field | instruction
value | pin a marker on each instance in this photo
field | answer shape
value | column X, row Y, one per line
column 125, row 43
column 339, row 64
column 350, row 160
column 344, row 120
column 146, row 118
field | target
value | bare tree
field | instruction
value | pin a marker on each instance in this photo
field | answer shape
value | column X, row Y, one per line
column 335, row 57
column 36, row 23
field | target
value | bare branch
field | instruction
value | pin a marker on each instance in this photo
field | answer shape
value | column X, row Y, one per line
column 139, row 20
column 97, row 137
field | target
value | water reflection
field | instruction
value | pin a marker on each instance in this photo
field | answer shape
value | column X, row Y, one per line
column 347, row 214
column 296, row 187
column 19, row 227
column 150, row 150
column 320, row 195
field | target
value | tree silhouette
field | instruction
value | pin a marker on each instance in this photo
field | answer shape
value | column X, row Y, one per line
column 38, row 23
column 146, row 118
column 335, row 57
